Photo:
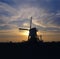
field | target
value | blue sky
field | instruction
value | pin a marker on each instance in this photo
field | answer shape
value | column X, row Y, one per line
column 45, row 13
column 17, row 13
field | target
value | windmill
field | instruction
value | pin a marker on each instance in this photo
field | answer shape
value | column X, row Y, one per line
column 32, row 32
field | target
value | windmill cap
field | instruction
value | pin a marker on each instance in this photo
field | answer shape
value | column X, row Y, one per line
column 34, row 29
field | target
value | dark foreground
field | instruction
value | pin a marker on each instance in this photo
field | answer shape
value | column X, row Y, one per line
column 30, row 50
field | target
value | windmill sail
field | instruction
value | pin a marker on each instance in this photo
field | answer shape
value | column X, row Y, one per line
column 31, row 23
column 23, row 29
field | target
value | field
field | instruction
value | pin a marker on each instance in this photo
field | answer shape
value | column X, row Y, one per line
column 30, row 50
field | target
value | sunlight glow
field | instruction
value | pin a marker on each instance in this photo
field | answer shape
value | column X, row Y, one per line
column 26, row 33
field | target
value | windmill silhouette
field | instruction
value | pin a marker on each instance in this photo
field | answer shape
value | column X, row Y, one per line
column 32, row 32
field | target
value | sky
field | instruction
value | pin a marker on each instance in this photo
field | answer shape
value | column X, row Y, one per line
column 17, row 13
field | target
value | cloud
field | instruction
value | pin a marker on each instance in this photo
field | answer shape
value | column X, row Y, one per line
column 26, row 24
column 9, row 2
column 7, row 27
column 45, row 13
column 48, row 22
column 7, row 12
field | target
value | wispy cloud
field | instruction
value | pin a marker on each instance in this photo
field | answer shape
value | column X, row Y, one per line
column 43, row 14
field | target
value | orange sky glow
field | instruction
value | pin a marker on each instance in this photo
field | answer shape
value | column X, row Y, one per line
column 19, row 36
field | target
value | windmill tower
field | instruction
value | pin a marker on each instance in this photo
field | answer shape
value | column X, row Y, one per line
column 32, row 32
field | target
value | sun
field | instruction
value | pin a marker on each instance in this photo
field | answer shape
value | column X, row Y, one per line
column 26, row 33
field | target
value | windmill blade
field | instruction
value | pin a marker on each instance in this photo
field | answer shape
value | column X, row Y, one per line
column 23, row 29
column 31, row 23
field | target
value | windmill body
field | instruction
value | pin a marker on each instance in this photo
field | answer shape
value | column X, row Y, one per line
column 32, row 35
